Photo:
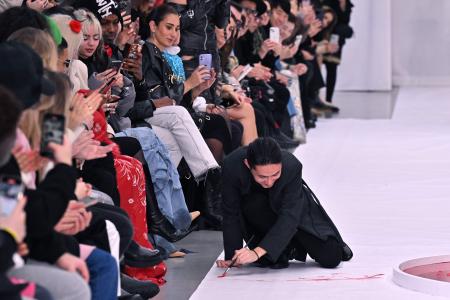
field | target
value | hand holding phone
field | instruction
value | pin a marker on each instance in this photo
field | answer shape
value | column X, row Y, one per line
column 334, row 39
column 274, row 34
column 206, row 60
column 116, row 65
column 52, row 131
column 11, row 189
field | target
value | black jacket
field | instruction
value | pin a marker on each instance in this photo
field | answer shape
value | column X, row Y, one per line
column 288, row 198
column 45, row 207
column 198, row 21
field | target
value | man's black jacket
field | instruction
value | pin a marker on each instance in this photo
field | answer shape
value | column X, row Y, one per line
column 292, row 203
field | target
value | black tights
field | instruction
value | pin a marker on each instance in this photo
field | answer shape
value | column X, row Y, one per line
column 331, row 79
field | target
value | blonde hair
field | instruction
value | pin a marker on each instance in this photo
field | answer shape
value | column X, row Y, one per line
column 41, row 42
column 91, row 20
column 31, row 119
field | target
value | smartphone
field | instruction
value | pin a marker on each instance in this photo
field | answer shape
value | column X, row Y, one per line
column 205, row 60
column 11, row 188
column 298, row 40
column 131, row 49
column 116, row 65
column 107, row 86
column 334, row 39
column 89, row 201
column 52, row 130
column 275, row 34
column 247, row 69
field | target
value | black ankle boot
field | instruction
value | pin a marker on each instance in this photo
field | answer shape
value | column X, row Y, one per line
column 156, row 221
column 212, row 199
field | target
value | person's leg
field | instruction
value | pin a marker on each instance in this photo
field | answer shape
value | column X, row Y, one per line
column 103, row 275
column 191, row 143
column 169, row 142
column 331, row 79
column 61, row 285
column 120, row 220
column 236, row 134
column 326, row 253
column 246, row 115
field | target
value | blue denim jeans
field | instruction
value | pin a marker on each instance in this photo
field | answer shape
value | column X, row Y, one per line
column 165, row 178
column 103, row 275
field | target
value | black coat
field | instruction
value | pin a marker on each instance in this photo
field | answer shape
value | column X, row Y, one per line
column 198, row 21
column 8, row 247
column 45, row 207
column 290, row 201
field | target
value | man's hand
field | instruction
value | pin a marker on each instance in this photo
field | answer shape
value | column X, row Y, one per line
column 165, row 101
column 260, row 72
column 245, row 256
column 73, row 264
column 225, row 263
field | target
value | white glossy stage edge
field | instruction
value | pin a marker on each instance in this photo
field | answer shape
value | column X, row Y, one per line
column 412, row 275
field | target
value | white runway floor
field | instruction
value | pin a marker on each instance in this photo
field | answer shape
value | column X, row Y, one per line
column 386, row 184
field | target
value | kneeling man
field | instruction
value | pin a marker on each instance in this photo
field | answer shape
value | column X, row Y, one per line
column 265, row 200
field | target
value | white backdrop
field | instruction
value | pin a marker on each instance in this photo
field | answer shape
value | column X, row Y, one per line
column 399, row 42
column 366, row 63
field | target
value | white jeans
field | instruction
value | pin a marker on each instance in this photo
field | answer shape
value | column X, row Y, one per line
column 176, row 128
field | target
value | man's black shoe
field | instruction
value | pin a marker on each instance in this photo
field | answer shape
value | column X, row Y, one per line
column 347, row 253
column 140, row 257
column 146, row 289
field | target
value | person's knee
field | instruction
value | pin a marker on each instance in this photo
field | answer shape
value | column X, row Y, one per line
column 331, row 256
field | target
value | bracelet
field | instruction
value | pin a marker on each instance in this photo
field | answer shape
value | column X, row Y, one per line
column 255, row 253
column 11, row 233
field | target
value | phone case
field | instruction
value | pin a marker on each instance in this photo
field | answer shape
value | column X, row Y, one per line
column 275, row 34
column 205, row 60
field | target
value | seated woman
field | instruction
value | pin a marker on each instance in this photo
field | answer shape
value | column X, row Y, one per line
column 173, row 123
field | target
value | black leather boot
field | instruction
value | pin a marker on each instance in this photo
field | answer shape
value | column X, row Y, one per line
column 212, row 199
column 157, row 222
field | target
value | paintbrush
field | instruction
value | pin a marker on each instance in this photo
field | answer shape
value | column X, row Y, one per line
column 234, row 260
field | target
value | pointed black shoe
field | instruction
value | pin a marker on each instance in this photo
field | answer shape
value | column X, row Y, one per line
column 145, row 289
column 140, row 257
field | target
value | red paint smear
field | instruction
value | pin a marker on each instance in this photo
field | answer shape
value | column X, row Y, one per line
column 333, row 277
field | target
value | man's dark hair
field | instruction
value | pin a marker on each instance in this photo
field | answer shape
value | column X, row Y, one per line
column 285, row 5
column 11, row 110
column 263, row 151
column 17, row 18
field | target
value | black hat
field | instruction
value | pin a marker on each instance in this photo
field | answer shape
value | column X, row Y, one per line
column 100, row 8
column 22, row 72
column 261, row 7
